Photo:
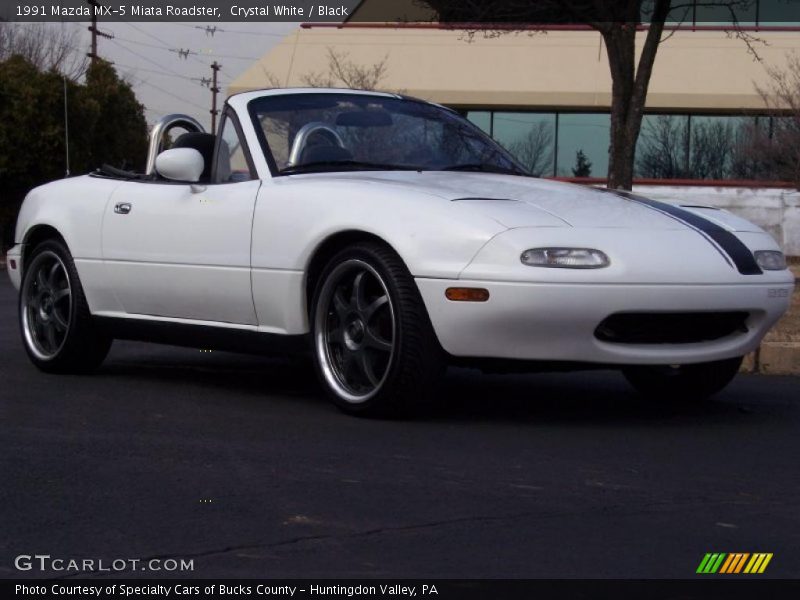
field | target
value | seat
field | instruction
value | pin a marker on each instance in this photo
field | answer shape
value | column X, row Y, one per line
column 316, row 154
column 204, row 144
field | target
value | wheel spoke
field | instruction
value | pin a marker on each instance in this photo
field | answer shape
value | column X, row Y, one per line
column 50, row 335
column 368, row 369
column 41, row 282
column 51, row 276
column 348, row 365
column 59, row 321
column 36, row 320
column 357, row 300
column 376, row 304
column 34, row 302
column 336, row 335
column 60, row 294
column 376, row 342
column 340, row 304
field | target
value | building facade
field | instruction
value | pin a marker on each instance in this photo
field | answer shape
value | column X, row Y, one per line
column 545, row 94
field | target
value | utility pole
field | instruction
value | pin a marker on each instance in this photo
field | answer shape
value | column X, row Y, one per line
column 95, row 31
column 215, row 67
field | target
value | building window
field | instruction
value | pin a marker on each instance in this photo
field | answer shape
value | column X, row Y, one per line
column 530, row 137
column 745, row 13
column 583, row 140
column 481, row 118
column 663, row 148
column 720, row 147
column 670, row 146
column 777, row 13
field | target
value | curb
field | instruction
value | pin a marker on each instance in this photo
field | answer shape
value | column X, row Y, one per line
column 779, row 358
column 773, row 358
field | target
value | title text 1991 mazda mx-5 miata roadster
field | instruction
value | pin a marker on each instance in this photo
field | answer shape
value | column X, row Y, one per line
column 389, row 236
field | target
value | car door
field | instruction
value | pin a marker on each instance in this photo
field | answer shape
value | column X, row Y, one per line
column 182, row 251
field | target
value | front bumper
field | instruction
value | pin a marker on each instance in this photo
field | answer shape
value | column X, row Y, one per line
column 557, row 322
column 14, row 265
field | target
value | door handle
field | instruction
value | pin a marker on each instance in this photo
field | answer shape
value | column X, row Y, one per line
column 122, row 208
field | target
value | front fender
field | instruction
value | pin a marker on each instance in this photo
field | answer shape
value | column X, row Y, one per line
column 73, row 207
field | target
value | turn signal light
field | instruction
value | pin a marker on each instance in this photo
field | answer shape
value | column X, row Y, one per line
column 467, row 294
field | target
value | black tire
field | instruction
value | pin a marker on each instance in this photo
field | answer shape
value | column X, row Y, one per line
column 57, row 329
column 374, row 348
column 683, row 383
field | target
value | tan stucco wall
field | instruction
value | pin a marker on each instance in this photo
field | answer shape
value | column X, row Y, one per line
column 702, row 70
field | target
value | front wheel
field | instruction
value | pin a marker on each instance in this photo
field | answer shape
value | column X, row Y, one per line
column 374, row 347
column 680, row 383
column 57, row 329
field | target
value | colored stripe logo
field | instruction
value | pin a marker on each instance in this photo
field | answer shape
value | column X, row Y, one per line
column 734, row 563
column 722, row 239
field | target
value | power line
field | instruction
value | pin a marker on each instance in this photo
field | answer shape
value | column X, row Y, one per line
column 216, row 29
column 143, row 57
column 168, row 93
column 146, row 44
column 155, row 71
column 186, row 52
column 140, row 30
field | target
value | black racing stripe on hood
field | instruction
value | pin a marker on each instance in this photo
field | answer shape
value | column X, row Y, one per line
column 740, row 254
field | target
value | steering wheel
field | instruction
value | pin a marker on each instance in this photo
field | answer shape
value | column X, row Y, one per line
column 305, row 133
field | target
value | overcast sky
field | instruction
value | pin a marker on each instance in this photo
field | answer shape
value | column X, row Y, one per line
column 163, row 80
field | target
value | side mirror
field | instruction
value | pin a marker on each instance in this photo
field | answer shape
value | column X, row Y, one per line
column 180, row 164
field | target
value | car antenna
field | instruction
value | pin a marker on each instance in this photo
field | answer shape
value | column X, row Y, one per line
column 66, row 128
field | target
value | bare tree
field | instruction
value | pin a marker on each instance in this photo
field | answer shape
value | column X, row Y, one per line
column 618, row 22
column 343, row 72
column 662, row 154
column 47, row 46
column 781, row 150
column 712, row 147
column 535, row 150
column 750, row 151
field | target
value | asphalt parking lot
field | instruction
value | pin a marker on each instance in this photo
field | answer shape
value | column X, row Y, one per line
column 240, row 464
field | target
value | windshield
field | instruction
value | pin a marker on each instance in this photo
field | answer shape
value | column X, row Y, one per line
column 319, row 132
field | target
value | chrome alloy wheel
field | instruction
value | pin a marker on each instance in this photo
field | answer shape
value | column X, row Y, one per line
column 46, row 305
column 355, row 331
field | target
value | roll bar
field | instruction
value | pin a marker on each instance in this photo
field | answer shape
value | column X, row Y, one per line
column 161, row 128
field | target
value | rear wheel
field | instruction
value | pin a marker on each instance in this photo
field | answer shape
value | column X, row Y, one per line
column 374, row 348
column 57, row 329
column 681, row 383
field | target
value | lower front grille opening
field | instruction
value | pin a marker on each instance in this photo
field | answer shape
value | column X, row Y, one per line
column 670, row 328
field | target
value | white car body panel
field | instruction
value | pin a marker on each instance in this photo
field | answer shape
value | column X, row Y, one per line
column 542, row 321
column 236, row 255
column 180, row 253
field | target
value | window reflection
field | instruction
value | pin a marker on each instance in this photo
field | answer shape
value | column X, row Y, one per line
column 530, row 137
column 663, row 148
column 583, row 140
column 670, row 146
column 746, row 13
column 481, row 118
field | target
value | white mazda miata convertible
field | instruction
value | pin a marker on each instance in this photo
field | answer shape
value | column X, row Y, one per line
column 390, row 237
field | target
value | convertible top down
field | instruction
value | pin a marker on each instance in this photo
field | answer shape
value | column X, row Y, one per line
column 388, row 237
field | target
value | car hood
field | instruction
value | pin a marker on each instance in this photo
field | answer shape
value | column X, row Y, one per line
column 516, row 201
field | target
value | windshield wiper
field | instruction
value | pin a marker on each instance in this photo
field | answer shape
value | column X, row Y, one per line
column 484, row 168
column 350, row 165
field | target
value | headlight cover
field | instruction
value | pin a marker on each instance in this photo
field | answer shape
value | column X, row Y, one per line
column 770, row 260
column 565, row 258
